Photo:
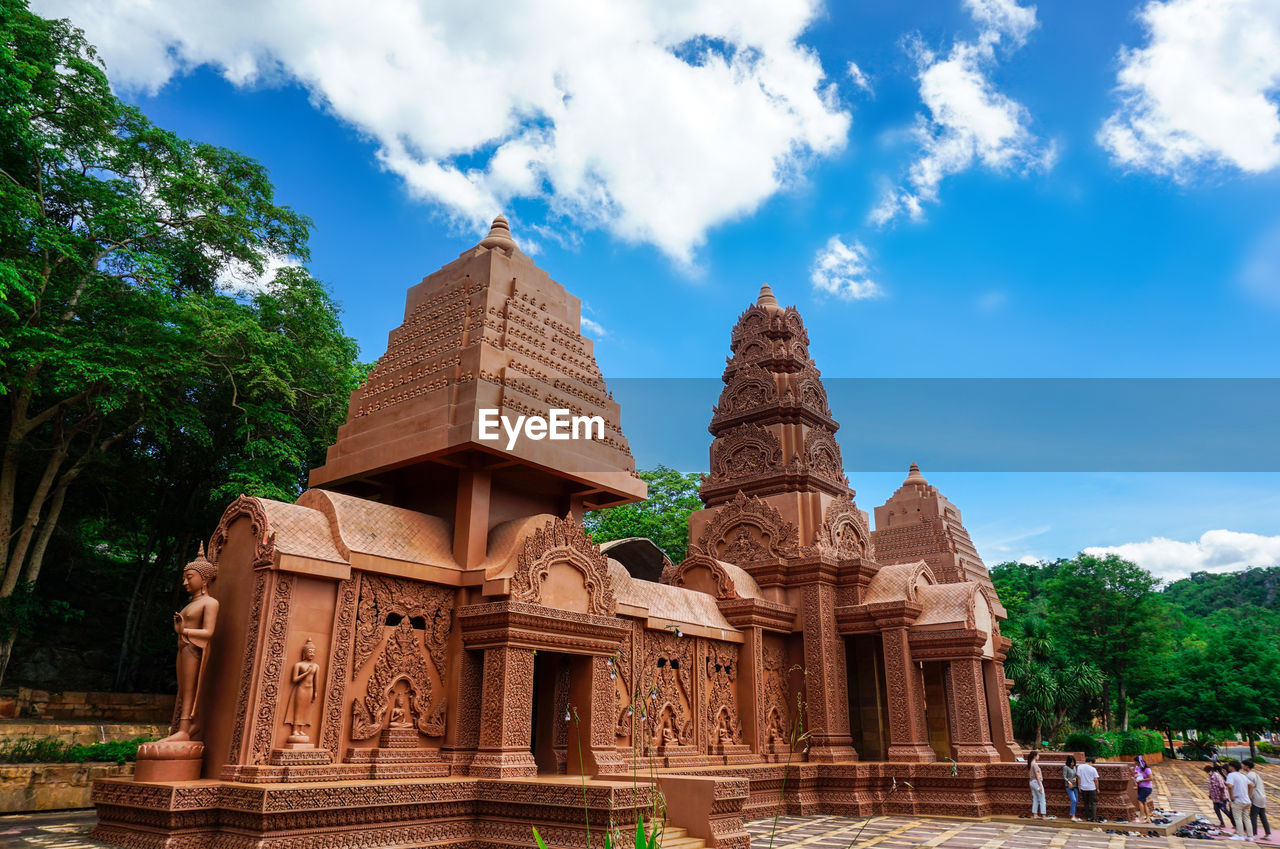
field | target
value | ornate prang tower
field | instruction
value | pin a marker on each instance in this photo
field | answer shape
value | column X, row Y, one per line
column 778, row 503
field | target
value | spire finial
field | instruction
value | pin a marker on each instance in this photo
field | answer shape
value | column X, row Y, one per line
column 766, row 298
column 914, row 474
column 499, row 234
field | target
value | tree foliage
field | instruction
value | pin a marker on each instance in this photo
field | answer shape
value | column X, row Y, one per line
column 135, row 386
column 663, row 517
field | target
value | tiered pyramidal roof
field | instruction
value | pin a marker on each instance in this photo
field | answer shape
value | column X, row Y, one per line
column 490, row 330
column 919, row 523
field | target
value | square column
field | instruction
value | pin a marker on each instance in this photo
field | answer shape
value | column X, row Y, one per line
column 592, row 693
column 908, row 735
column 826, row 681
column 506, row 715
column 998, row 713
column 967, row 704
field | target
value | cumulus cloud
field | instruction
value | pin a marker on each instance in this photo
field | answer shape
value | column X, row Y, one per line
column 969, row 121
column 1203, row 91
column 594, row 328
column 844, row 270
column 654, row 121
column 1215, row 551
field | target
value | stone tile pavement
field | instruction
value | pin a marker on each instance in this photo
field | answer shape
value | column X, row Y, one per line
column 1179, row 786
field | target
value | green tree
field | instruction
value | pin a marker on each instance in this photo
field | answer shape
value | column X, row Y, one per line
column 1108, row 610
column 663, row 517
column 115, row 337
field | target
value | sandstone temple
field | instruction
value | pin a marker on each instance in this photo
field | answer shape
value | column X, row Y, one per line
column 426, row 649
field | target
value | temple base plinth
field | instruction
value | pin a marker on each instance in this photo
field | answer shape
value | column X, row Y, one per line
column 299, row 756
column 504, row 765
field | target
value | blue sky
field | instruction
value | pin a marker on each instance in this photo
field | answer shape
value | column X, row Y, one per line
column 944, row 188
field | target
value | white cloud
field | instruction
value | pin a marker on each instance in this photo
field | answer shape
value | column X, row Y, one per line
column 844, row 271
column 860, row 79
column 654, row 121
column 1202, row 91
column 1215, row 551
column 239, row 278
column 969, row 121
column 594, row 327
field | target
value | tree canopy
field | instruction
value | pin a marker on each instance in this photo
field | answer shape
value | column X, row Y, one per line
column 662, row 517
column 136, row 385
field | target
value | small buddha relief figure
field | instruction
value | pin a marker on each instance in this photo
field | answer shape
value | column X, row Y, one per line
column 777, row 731
column 400, row 715
column 667, row 732
column 303, row 697
column 194, row 625
column 724, row 729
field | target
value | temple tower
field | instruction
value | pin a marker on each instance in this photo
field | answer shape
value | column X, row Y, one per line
column 919, row 523
column 779, row 506
column 489, row 331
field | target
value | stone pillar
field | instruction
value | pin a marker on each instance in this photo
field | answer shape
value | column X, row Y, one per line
column 999, row 716
column 592, row 693
column 908, row 736
column 967, row 704
column 506, row 715
column 826, row 682
column 751, row 689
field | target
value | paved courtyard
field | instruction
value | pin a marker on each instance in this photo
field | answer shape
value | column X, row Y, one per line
column 1179, row 786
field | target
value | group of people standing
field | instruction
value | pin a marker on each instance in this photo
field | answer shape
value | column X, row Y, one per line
column 1237, row 790
column 1081, row 782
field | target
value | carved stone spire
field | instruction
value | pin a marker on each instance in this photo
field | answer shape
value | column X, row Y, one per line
column 774, row 432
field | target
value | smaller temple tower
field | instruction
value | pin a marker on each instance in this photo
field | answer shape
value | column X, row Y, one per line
column 919, row 523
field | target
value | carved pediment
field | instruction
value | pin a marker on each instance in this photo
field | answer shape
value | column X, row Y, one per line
column 563, row 543
column 720, row 583
column 745, row 530
column 746, row 451
column 843, row 533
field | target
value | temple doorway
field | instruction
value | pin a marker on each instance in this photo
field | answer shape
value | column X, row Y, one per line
column 935, row 708
column 548, row 737
column 868, row 700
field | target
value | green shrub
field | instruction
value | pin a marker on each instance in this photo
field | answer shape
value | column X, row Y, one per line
column 50, row 750
column 1268, row 748
column 1081, row 741
column 1199, row 750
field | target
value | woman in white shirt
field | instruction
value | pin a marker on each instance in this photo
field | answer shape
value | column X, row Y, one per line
column 1036, row 780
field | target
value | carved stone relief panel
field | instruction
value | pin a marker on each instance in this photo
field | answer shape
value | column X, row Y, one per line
column 666, row 680
column 723, row 725
column 406, row 624
column 777, row 692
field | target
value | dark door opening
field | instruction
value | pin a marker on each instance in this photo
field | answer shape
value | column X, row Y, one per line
column 550, row 699
column 868, row 700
